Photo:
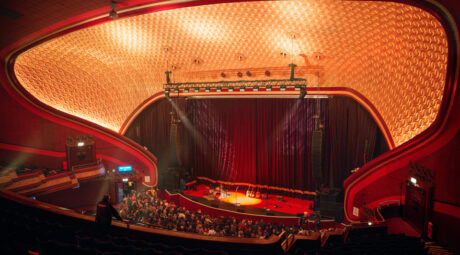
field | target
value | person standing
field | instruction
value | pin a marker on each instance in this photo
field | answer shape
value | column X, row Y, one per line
column 105, row 211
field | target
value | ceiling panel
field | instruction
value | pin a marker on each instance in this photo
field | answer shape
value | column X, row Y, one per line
column 393, row 54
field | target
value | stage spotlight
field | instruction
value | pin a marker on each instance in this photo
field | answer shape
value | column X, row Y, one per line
column 413, row 180
column 113, row 13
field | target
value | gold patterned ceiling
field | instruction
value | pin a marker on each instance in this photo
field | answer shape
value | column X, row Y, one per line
column 393, row 54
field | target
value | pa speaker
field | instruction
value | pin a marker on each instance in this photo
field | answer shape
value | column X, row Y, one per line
column 316, row 157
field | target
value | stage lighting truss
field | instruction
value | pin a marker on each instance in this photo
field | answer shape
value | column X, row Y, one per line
column 297, row 84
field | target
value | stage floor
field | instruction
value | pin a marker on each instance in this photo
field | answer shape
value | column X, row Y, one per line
column 288, row 206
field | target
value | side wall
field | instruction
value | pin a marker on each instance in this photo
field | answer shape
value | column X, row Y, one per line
column 438, row 149
column 40, row 141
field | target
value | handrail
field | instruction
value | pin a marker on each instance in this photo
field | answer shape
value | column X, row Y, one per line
column 281, row 235
column 379, row 214
column 31, row 174
column 87, row 167
column 389, row 202
column 287, row 244
column 379, row 207
column 325, row 235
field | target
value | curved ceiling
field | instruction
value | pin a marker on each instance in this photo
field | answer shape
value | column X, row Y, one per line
column 393, row 54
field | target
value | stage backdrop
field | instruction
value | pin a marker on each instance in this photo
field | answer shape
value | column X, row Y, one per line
column 261, row 141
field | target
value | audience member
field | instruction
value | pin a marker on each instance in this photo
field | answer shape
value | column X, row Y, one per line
column 147, row 208
column 105, row 211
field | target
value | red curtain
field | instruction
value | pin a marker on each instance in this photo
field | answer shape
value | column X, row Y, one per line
column 260, row 141
column 263, row 141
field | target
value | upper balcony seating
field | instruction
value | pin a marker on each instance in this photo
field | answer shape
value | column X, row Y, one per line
column 27, row 228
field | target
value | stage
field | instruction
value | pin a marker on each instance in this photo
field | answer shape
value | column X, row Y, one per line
column 238, row 201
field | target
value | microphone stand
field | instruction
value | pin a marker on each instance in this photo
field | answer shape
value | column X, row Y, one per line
column 236, row 195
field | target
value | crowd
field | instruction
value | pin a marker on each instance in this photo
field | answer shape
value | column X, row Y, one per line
column 147, row 208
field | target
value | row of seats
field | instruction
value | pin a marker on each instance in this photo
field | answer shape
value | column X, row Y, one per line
column 26, row 228
column 126, row 245
column 363, row 241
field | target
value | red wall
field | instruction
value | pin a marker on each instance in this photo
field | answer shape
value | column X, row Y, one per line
column 446, row 210
column 437, row 149
column 86, row 196
column 22, row 127
column 31, row 159
column 444, row 162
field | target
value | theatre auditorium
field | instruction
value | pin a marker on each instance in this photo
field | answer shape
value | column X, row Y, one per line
column 175, row 127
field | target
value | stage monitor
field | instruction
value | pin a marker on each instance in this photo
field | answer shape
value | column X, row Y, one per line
column 125, row 168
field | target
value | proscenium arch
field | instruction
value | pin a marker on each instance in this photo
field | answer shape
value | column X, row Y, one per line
column 339, row 91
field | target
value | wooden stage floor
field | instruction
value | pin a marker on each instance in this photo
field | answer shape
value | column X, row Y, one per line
column 271, row 206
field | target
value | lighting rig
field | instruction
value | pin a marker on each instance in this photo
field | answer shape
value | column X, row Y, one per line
column 237, row 86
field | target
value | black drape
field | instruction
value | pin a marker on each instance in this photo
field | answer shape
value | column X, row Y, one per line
column 152, row 129
column 354, row 136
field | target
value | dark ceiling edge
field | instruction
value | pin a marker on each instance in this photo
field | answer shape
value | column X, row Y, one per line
column 10, row 14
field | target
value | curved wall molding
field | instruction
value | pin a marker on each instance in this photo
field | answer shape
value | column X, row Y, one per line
column 436, row 137
column 30, row 103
